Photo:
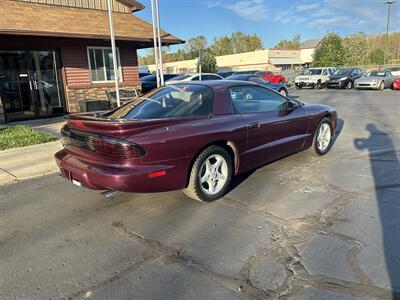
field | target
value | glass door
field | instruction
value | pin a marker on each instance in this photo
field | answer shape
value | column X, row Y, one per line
column 30, row 84
column 46, row 83
column 15, row 86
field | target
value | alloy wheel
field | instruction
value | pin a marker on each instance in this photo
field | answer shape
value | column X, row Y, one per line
column 213, row 174
column 324, row 137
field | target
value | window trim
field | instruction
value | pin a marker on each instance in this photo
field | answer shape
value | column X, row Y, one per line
column 256, row 86
column 88, row 48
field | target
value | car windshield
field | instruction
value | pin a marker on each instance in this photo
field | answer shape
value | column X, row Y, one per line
column 376, row 74
column 173, row 101
column 313, row 72
column 341, row 72
column 182, row 77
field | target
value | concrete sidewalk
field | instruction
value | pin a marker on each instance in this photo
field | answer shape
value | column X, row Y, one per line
column 22, row 163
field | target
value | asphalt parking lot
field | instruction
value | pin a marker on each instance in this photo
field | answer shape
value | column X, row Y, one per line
column 299, row 228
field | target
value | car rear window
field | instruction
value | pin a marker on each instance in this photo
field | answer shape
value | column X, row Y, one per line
column 172, row 101
column 151, row 77
column 182, row 77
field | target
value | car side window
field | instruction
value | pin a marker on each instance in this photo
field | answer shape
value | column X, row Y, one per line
column 196, row 78
column 253, row 99
column 213, row 77
column 257, row 80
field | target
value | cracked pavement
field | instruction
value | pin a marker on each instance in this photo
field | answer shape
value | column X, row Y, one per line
column 300, row 228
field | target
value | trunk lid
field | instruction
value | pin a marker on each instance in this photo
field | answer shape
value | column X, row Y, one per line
column 121, row 128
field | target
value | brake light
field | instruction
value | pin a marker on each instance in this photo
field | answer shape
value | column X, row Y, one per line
column 115, row 147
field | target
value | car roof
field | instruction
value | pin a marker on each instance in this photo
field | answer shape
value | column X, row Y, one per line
column 194, row 74
column 217, row 83
column 244, row 76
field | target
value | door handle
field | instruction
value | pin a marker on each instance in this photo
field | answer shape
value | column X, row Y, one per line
column 254, row 125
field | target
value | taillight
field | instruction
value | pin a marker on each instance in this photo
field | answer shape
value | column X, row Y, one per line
column 115, row 147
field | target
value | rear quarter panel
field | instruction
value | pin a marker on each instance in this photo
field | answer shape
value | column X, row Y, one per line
column 186, row 140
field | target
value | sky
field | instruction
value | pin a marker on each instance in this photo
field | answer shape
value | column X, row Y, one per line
column 273, row 20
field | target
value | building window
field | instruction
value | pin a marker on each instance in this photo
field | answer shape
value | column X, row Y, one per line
column 101, row 64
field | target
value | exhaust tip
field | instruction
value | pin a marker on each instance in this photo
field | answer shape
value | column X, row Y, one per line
column 109, row 193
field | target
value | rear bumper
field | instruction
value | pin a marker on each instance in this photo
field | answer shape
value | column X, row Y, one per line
column 123, row 178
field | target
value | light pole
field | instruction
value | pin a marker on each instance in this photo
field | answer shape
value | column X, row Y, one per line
column 157, row 42
column 114, row 52
column 389, row 4
column 159, row 45
column 153, row 15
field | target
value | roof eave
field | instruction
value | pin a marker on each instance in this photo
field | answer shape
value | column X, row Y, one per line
column 134, row 5
column 166, row 42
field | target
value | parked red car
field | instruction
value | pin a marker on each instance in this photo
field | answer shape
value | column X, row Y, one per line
column 396, row 84
column 271, row 77
column 193, row 136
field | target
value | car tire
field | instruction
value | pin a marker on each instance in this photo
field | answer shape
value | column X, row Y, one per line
column 317, row 148
column 201, row 176
column 349, row 85
column 298, row 87
column 382, row 86
column 283, row 92
column 318, row 85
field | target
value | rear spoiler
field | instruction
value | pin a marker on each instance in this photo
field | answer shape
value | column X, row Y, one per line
column 94, row 123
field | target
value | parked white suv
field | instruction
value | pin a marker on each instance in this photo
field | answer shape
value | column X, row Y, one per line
column 314, row 77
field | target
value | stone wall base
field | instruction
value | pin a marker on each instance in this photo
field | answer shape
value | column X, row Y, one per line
column 93, row 92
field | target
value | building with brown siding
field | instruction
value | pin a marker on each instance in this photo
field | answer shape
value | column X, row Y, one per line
column 54, row 53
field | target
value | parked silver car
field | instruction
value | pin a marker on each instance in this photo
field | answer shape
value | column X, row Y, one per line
column 377, row 80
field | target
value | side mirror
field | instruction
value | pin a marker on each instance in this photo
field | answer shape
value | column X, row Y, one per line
column 291, row 105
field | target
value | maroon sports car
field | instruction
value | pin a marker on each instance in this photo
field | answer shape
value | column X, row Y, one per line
column 190, row 136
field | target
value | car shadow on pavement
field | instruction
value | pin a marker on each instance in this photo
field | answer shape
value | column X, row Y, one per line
column 385, row 168
column 339, row 128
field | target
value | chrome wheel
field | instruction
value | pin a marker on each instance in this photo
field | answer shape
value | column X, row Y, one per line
column 283, row 93
column 324, row 137
column 248, row 97
column 213, row 174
